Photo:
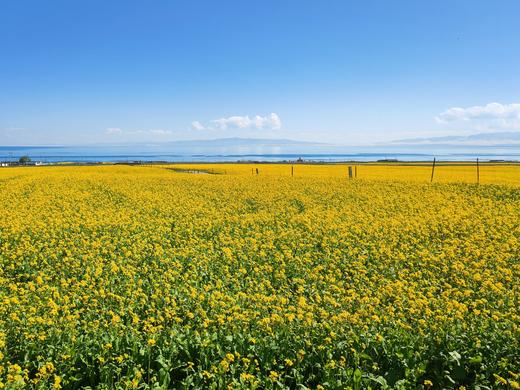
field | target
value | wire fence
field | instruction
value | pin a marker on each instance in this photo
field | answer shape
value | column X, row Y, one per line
column 436, row 171
column 427, row 172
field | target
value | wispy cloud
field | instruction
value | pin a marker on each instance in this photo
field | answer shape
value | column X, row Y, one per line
column 154, row 132
column 271, row 122
column 113, row 130
column 491, row 111
column 118, row 131
column 196, row 125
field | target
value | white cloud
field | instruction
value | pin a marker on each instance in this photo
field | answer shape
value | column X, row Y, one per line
column 491, row 111
column 153, row 132
column 271, row 121
column 196, row 125
column 240, row 122
column 275, row 121
column 118, row 131
column 113, row 130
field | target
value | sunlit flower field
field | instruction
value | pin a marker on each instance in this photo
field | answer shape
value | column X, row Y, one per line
column 214, row 276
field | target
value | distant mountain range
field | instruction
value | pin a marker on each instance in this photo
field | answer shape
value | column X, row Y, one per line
column 492, row 146
column 245, row 146
column 506, row 139
column 245, row 141
column 504, row 145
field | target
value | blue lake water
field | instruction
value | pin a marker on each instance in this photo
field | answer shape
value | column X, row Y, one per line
column 206, row 153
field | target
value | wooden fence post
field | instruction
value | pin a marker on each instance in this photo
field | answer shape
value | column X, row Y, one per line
column 355, row 171
column 478, row 172
column 292, row 170
column 433, row 170
column 350, row 173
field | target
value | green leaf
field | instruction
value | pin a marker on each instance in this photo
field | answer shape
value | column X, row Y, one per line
column 357, row 376
column 476, row 360
column 455, row 356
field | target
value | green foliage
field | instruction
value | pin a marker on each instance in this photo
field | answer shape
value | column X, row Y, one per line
column 24, row 160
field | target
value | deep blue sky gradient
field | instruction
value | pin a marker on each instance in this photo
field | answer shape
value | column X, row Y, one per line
column 336, row 71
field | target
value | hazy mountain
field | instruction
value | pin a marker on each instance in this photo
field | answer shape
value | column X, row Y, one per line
column 244, row 146
column 242, row 142
column 486, row 146
column 506, row 139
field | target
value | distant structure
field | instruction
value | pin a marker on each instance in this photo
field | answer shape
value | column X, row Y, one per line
column 22, row 161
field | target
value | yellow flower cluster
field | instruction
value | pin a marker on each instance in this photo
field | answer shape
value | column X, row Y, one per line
column 144, row 276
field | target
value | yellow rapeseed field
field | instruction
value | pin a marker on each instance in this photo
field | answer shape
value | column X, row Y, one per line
column 154, row 277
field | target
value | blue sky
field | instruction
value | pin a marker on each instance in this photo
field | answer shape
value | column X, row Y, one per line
column 76, row 72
